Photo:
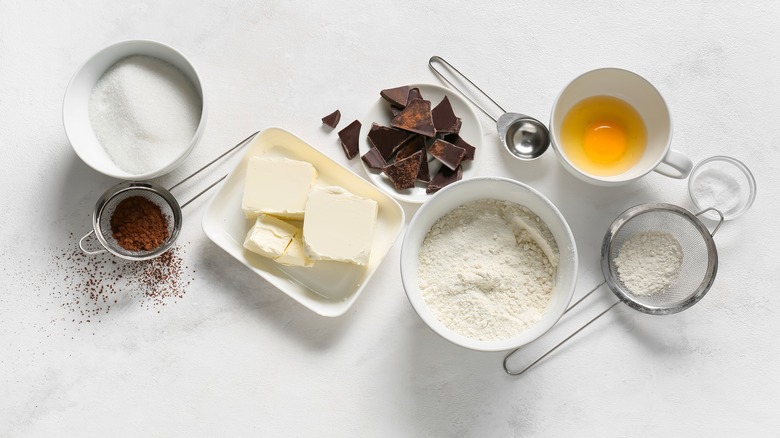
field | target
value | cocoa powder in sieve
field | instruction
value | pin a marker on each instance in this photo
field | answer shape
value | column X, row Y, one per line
column 139, row 224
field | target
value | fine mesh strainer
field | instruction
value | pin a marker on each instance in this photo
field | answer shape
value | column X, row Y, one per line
column 697, row 271
column 106, row 206
column 160, row 196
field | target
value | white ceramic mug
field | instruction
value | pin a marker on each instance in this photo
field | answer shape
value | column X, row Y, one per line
column 643, row 96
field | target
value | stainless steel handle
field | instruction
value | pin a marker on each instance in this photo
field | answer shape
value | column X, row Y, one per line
column 547, row 353
column 87, row 251
column 720, row 222
column 241, row 143
column 439, row 59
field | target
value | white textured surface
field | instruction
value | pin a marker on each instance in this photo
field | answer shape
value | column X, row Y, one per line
column 234, row 356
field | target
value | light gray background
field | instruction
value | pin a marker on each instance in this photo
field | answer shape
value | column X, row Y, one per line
column 237, row 357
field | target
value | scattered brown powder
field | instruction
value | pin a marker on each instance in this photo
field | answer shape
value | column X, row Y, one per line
column 88, row 287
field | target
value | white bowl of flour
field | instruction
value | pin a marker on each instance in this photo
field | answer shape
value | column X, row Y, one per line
column 134, row 110
column 489, row 264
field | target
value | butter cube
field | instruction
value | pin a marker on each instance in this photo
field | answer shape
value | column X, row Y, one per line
column 269, row 236
column 277, row 186
column 278, row 240
column 339, row 225
column 294, row 255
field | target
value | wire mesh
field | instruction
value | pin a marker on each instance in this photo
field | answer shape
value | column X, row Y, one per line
column 106, row 207
column 679, row 227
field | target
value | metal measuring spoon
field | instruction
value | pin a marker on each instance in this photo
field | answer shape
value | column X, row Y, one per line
column 523, row 136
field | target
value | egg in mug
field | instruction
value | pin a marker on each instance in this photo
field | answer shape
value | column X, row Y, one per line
column 603, row 136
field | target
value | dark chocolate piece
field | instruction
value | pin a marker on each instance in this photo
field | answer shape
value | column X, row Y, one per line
column 445, row 177
column 403, row 173
column 396, row 96
column 373, row 159
column 444, row 119
column 387, row 140
column 394, row 110
column 416, row 117
column 456, row 129
column 446, row 152
column 349, row 137
column 424, row 173
column 414, row 93
column 417, row 143
column 458, row 141
column 332, row 119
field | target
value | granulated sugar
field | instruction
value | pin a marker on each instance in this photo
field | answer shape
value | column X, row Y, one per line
column 483, row 275
column 716, row 188
column 144, row 113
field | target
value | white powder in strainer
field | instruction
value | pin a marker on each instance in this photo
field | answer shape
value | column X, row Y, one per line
column 648, row 263
column 483, row 274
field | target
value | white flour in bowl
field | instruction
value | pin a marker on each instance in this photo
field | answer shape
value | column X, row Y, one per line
column 486, row 269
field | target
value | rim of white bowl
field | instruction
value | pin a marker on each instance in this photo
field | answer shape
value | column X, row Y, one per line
column 171, row 52
column 419, row 305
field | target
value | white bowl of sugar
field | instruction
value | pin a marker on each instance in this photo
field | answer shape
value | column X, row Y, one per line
column 135, row 110
column 489, row 264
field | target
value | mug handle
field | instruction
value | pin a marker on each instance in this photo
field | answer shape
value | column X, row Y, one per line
column 675, row 165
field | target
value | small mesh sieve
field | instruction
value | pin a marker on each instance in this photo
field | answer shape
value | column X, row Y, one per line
column 699, row 263
column 106, row 206
column 697, row 272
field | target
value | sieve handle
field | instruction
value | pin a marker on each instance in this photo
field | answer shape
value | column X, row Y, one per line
column 720, row 222
column 240, row 144
column 87, row 251
column 204, row 191
column 547, row 353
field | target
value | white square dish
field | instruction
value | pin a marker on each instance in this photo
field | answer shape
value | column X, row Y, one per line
column 327, row 288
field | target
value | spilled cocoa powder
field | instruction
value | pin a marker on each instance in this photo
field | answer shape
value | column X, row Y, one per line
column 88, row 288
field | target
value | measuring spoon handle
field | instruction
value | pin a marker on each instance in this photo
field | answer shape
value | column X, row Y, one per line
column 438, row 59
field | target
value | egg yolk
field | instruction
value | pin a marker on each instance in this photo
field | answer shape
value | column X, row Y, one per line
column 604, row 142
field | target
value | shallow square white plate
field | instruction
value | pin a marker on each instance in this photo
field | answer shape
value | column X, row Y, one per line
column 327, row 288
column 471, row 131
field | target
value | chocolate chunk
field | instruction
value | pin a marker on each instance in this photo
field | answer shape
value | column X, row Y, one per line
column 387, row 140
column 349, row 137
column 417, row 143
column 445, row 177
column 373, row 159
column 414, row 93
column 424, row 173
column 446, row 152
column 458, row 141
column 456, row 129
column 403, row 173
column 396, row 96
column 394, row 110
column 416, row 117
column 332, row 119
column 444, row 119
